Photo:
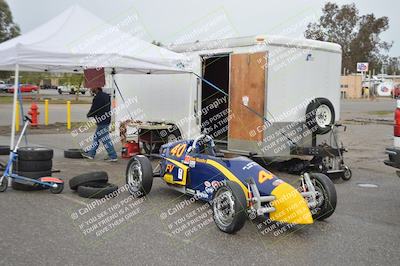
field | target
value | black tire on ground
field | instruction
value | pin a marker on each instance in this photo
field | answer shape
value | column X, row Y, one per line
column 34, row 175
column 4, row 150
column 73, row 153
column 33, row 166
column 80, row 180
column 139, row 176
column 328, row 205
column 35, row 154
column 220, row 214
column 60, row 91
column 320, row 123
column 96, row 190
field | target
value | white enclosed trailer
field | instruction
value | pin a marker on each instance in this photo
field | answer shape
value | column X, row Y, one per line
column 267, row 83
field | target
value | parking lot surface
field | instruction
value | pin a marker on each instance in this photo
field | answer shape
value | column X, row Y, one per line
column 42, row 228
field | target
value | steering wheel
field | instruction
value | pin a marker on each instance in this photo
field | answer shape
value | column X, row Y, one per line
column 205, row 140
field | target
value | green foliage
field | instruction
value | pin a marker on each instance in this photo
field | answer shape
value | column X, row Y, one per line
column 357, row 34
column 8, row 29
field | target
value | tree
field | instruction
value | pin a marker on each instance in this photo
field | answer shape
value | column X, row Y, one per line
column 8, row 29
column 357, row 34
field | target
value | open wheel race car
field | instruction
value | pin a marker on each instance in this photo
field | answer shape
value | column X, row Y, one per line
column 235, row 187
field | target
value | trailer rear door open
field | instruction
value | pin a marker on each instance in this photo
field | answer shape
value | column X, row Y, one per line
column 247, row 88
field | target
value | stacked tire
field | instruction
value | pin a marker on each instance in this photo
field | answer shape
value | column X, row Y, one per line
column 32, row 162
column 93, row 185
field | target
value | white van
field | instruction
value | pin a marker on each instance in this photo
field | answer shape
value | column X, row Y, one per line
column 266, row 85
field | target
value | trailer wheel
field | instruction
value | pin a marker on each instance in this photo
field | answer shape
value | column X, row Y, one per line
column 320, row 116
column 229, row 208
column 139, row 176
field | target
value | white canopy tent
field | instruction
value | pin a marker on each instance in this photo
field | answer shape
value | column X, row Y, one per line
column 75, row 40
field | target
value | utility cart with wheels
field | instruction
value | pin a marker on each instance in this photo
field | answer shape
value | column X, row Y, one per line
column 56, row 185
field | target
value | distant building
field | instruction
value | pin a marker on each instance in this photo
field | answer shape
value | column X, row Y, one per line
column 351, row 86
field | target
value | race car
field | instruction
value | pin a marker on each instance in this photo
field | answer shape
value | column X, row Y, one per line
column 235, row 187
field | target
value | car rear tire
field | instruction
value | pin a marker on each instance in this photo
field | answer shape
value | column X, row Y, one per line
column 139, row 176
column 83, row 179
column 327, row 203
column 320, row 116
column 96, row 190
column 35, row 154
column 229, row 208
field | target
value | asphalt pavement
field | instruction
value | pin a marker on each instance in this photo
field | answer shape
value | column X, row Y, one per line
column 42, row 228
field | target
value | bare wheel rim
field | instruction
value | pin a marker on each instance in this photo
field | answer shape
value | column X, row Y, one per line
column 135, row 175
column 323, row 116
column 224, row 207
column 320, row 198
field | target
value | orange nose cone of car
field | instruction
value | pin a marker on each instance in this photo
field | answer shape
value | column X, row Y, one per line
column 290, row 206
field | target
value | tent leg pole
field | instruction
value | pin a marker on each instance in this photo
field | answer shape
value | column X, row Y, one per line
column 16, row 81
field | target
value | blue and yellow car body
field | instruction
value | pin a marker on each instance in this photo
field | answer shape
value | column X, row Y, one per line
column 201, row 174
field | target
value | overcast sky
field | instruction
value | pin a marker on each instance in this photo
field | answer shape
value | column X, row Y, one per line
column 167, row 21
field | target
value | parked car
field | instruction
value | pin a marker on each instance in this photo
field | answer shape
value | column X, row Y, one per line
column 24, row 88
column 48, row 87
column 394, row 151
column 3, row 86
column 71, row 89
column 396, row 91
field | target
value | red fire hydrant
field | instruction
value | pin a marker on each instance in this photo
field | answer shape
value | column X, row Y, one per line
column 34, row 113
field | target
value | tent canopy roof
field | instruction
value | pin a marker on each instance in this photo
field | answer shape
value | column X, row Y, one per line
column 77, row 39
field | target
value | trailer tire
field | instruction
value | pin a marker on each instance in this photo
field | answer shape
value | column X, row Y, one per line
column 33, row 166
column 320, row 116
column 4, row 150
column 35, row 154
column 96, row 190
column 139, row 176
column 73, row 153
column 224, row 222
column 83, row 179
